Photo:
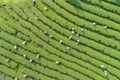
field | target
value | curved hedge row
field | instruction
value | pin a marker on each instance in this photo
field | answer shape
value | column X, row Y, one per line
column 57, row 40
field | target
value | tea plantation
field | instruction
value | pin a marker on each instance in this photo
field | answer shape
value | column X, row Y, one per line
column 59, row 39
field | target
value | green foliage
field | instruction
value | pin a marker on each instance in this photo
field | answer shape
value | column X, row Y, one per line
column 24, row 21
